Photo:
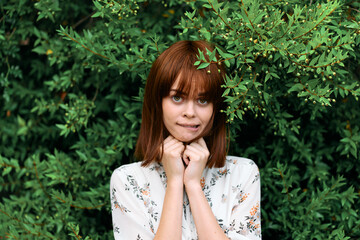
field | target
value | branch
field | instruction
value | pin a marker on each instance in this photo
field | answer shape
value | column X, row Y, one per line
column 144, row 59
column 227, row 24
column 308, row 66
column 82, row 20
column 250, row 20
column 96, row 93
column 321, row 198
column 354, row 9
column 315, row 25
column 283, row 179
column 88, row 49
column 77, row 236
column 38, row 179
column 18, row 220
column 312, row 93
column 9, row 165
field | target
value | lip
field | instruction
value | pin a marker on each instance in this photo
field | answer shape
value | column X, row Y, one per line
column 191, row 127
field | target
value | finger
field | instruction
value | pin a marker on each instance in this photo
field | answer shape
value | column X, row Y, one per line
column 168, row 139
column 190, row 153
column 199, row 153
column 196, row 145
column 172, row 141
column 196, row 149
column 176, row 147
column 186, row 160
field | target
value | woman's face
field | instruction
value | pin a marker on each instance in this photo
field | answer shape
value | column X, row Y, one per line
column 186, row 115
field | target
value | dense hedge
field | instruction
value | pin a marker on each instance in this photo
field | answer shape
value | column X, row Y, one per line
column 72, row 76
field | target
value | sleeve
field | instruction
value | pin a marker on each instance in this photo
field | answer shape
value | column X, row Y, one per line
column 128, row 212
column 245, row 213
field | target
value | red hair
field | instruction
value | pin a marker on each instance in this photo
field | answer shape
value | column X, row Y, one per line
column 180, row 58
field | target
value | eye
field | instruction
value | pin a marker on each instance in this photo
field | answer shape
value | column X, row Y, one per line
column 176, row 99
column 202, row 101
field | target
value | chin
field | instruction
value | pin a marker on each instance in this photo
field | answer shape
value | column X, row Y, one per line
column 186, row 139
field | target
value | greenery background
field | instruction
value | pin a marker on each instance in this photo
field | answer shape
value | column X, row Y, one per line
column 72, row 75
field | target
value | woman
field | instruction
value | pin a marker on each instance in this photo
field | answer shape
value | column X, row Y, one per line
column 185, row 187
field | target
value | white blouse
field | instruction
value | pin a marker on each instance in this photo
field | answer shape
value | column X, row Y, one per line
column 233, row 193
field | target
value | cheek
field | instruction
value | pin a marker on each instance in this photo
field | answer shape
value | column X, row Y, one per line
column 207, row 113
column 168, row 109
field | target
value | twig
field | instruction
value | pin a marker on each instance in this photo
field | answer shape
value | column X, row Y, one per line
column 315, row 25
column 321, row 198
column 354, row 9
column 18, row 220
column 250, row 20
column 286, row 188
column 82, row 20
column 77, row 236
column 96, row 93
column 227, row 24
column 37, row 177
column 308, row 66
column 98, row 54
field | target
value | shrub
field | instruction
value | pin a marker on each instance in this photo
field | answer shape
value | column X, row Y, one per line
column 72, row 78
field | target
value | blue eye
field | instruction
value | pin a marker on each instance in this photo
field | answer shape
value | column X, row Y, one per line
column 176, row 99
column 202, row 101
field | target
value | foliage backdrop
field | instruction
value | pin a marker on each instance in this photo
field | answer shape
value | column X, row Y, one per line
column 72, row 75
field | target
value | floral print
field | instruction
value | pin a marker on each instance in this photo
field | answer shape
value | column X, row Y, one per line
column 233, row 193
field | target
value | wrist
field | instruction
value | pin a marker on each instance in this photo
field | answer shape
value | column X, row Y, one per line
column 193, row 186
column 175, row 183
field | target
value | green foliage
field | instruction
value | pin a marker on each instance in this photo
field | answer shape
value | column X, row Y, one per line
column 72, row 77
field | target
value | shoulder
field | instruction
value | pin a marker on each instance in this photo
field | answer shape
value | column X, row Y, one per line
column 241, row 165
column 239, row 162
column 127, row 168
column 135, row 172
column 121, row 173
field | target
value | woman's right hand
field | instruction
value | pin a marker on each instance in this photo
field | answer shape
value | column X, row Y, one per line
column 172, row 159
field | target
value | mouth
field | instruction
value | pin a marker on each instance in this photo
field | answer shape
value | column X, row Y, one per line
column 192, row 127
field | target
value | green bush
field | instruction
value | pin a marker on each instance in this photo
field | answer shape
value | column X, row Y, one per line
column 72, row 77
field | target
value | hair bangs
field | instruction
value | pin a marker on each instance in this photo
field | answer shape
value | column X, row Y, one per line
column 195, row 82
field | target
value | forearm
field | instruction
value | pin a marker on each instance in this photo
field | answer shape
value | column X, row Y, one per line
column 206, row 224
column 171, row 216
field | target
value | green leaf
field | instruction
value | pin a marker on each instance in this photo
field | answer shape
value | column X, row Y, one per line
column 296, row 87
column 203, row 65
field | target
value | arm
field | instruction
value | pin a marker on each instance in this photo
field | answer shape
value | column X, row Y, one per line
column 206, row 224
column 171, row 216
column 196, row 155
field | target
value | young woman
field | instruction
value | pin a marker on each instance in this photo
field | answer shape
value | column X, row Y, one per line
column 185, row 187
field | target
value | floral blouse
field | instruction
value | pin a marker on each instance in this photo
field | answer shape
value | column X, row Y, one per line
column 233, row 193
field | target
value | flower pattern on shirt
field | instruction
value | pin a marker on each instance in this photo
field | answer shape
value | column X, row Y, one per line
column 233, row 193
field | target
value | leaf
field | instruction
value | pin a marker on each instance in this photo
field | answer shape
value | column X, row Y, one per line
column 203, row 65
column 296, row 87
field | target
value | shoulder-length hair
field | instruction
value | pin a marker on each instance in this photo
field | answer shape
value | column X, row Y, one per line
column 178, row 62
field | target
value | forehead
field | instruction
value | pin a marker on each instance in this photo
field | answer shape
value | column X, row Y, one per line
column 192, row 84
column 189, row 88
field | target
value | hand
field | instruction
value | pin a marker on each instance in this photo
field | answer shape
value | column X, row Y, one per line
column 195, row 157
column 172, row 161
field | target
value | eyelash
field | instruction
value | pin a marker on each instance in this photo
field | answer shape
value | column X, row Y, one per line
column 202, row 100
column 178, row 99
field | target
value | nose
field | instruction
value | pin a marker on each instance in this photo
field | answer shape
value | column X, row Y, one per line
column 189, row 109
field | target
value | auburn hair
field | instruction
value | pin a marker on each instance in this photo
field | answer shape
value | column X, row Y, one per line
column 178, row 62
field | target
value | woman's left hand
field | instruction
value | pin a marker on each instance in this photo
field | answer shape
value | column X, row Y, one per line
column 195, row 157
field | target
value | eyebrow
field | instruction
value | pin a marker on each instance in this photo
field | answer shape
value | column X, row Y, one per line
column 185, row 94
